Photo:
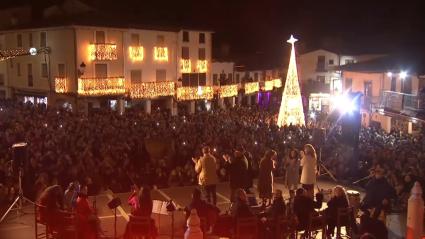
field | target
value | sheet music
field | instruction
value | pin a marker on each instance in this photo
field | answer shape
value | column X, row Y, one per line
column 159, row 207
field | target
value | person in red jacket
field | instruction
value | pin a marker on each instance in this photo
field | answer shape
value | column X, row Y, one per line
column 88, row 223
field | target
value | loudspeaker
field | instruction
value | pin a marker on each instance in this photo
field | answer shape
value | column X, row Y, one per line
column 114, row 203
column 19, row 154
column 319, row 135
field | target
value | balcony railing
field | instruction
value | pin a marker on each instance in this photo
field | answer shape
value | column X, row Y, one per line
column 101, row 86
column 228, row 90
column 103, row 51
column 148, row 90
column 396, row 101
column 251, row 87
column 61, row 85
column 195, row 93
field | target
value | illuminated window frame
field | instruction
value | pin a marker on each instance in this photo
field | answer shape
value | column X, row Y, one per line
column 61, row 85
column 202, row 66
column 103, row 51
column 185, row 66
column 251, row 87
column 160, row 54
column 136, row 53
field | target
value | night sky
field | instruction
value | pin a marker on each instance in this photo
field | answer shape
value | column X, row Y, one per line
column 258, row 29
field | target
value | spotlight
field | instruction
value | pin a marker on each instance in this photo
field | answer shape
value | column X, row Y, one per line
column 344, row 104
column 390, row 74
column 403, row 75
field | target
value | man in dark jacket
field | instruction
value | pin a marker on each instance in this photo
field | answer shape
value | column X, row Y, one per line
column 304, row 207
column 237, row 169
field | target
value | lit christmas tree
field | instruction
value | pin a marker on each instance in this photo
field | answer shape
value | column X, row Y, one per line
column 291, row 107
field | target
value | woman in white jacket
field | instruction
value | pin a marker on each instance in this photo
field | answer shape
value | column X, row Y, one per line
column 309, row 169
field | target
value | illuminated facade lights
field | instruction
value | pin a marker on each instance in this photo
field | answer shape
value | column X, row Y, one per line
column 228, row 90
column 185, row 66
column 291, row 108
column 160, row 53
column 7, row 54
column 251, row 87
column 277, row 83
column 202, row 66
column 101, row 86
column 61, row 85
column 152, row 89
column 268, row 85
column 195, row 93
column 136, row 53
column 103, row 51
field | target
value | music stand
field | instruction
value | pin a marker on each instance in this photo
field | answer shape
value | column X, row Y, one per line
column 19, row 155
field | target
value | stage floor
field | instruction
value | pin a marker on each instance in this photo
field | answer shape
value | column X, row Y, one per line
column 23, row 227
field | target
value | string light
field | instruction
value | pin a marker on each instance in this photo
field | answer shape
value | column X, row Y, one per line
column 277, row 83
column 251, row 87
column 185, row 66
column 228, row 90
column 195, row 93
column 291, row 107
column 136, row 53
column 160, row 53
column 268, row 85
column 152, row 89
column 61, row 85
column 11, row 53
column 101, row 86
column 202, row 66
column 103, row 51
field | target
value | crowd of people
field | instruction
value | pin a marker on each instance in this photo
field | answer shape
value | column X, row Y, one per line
column 107, row 150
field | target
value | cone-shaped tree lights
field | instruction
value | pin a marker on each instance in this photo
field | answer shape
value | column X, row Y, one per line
column 291, row 107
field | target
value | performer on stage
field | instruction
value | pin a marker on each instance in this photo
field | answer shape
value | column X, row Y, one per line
column 292, row 174
column 237, row 169
column 207, row 167
column 309, row 169
column 265, row 177
column 88, row 223
column 52, row 200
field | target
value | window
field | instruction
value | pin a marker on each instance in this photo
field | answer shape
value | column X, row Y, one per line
column 19, row 40
column 230, row 77
column 194, row 79
column 30, row 77
column 30, row 40
column 320, row 63
column 161, row 75
column 256, row 76
column 202, row 79
column 185, row 52
column 160, row 40
column 135, row 39
column 185, row 79
column 101, row 70
column 43, row 39
column 393, row 83
column 321, row 79
column 215, row 82
column 331, row 61
column 201, row 37
column 18, row 69
column 368, row 88
column 185, row 36
column 223, row 78
column 136, row 76
column 44, row 72
column 237, row 78
column 406, row 85
column 201, row 53
column 61, row 70
column 100, row 37
column 348, row 83
column 1, row 80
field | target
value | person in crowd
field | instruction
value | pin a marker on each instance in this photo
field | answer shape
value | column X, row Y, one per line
column 304, row 207
column 237, row 169
column 206, row 167
column 141, row 204
column 372, row 226
column 292, row 173
column 378, row 193
column 265, row 177
column 204, row 209
column 88, row 223
column 51, row 200
column 70, row 196
column 309, row 169
column 240, row 207
column 338, row 200
column 278, row 207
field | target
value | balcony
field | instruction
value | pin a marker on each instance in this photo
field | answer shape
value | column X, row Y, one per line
column 251, row 87
column 61, row 85
column 149, row 90
column 228, row 90
column 195, row 93
column 101, row 86
column 103, row 51
column 400, row 102
column 317, row 87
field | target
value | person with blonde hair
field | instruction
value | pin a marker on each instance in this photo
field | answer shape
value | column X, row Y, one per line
column 309, row 169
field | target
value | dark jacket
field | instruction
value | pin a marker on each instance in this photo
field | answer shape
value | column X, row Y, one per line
column 277, row 208
column 377, row 190
column 304, row 208
column 238, row 172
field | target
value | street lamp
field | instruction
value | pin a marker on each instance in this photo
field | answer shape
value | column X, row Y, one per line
column 81, row 69
column 403, row 75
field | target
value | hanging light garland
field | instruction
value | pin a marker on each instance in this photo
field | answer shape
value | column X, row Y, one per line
column 185, row 66
column 228, row 90
column 61, row 85
column 136, row 53
column 101, row 86
column 152, row 89
column 12, row 53
column 195, row 93
column 103, row 51
column 251, row 87
column 202, row 66
column 160, row 53
column 277, row 83
column 268, row 85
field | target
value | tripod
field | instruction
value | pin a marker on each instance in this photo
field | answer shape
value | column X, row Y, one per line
column 19, row 200
column 322, row 166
